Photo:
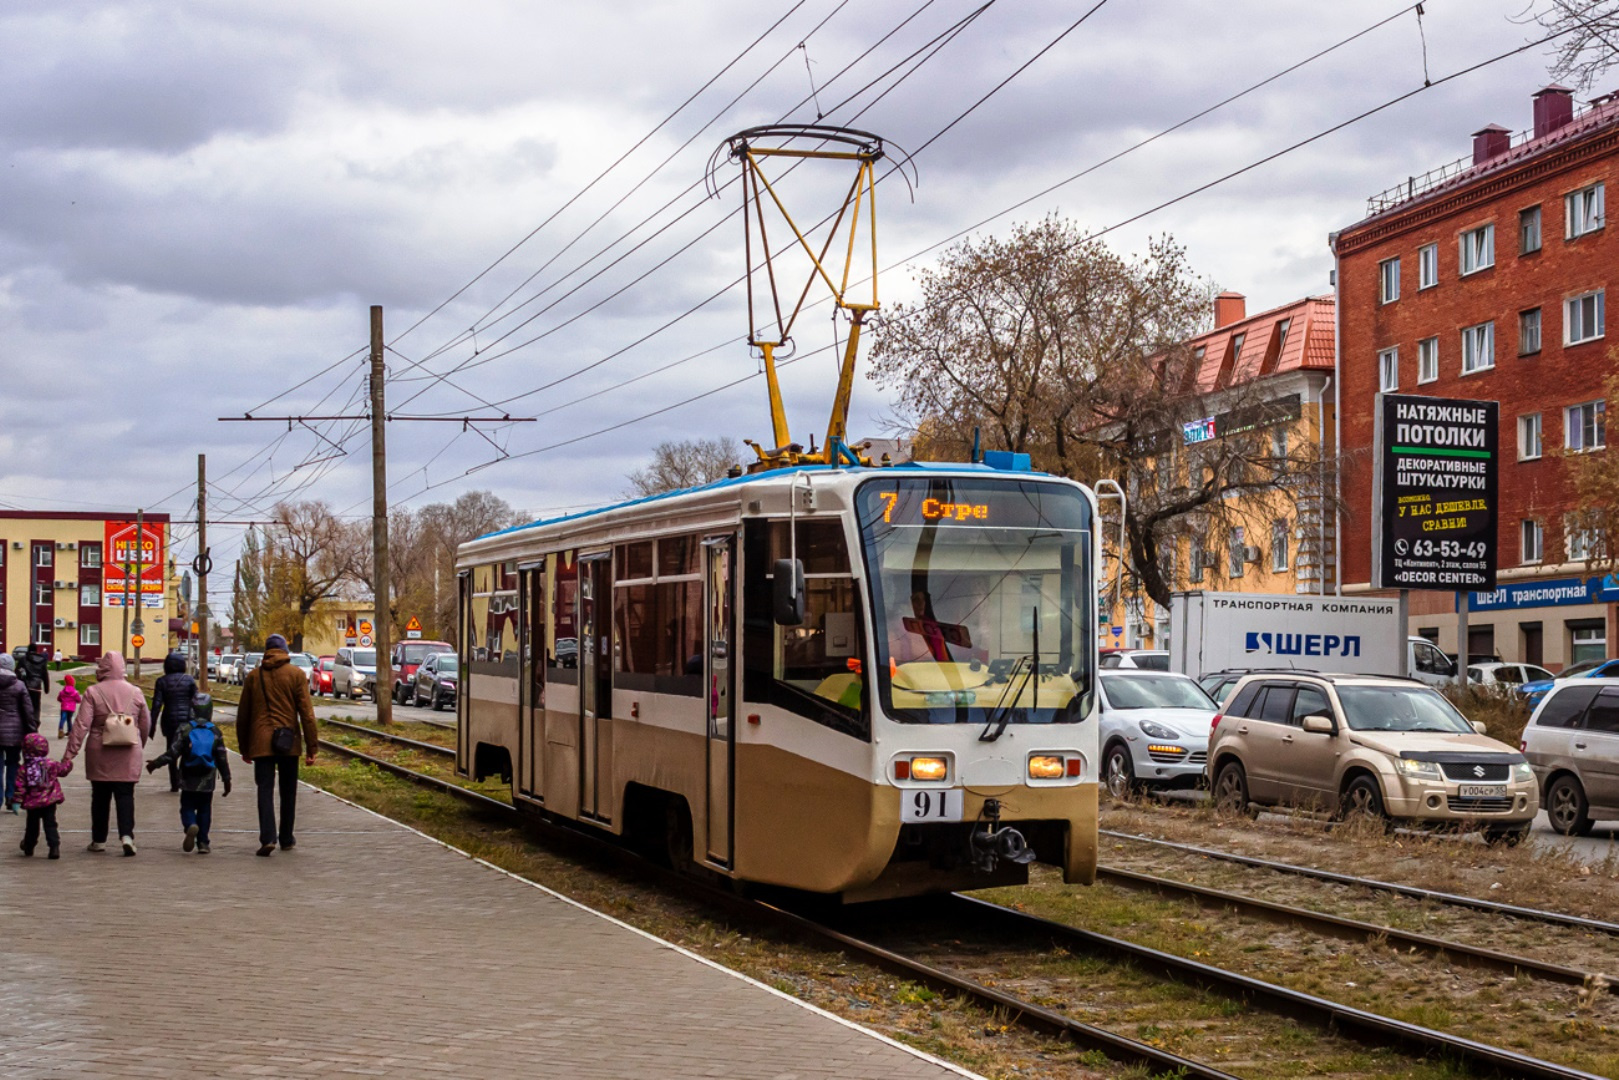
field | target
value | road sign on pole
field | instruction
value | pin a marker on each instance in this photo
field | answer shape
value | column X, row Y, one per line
column 413, row 629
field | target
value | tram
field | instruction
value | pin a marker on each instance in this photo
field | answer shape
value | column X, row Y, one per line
column 865, row 681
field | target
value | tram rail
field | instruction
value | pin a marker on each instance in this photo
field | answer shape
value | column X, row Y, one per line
column 1362, row 1025
column 1557, row 918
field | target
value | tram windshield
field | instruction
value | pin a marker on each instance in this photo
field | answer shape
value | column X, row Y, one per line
column 983, row 597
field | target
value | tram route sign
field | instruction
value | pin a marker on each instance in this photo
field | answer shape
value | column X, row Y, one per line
column 1434, row 502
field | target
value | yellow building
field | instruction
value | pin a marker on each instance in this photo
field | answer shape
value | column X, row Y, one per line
column 336, row 621
column 65, row 579
column 1271, row 373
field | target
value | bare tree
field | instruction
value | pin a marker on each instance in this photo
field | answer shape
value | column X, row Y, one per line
column 1049, row 344
column 309, row 554
column 1590, row 42
column 685, row 463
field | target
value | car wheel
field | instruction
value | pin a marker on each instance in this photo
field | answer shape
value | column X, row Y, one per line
column 1120, row 772
column 1231, row 789
column 1363, row 799
column 438, row 702
column 1567, row 807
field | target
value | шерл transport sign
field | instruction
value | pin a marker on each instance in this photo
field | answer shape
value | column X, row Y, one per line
column 1434, row 503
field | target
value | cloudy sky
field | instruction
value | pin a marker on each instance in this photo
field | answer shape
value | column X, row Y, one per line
column 200, row 201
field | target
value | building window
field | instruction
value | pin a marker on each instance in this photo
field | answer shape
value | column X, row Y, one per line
column 89, row 595
column 1278, row 546
column 89, row 633
column 90, row 556
column 1588, row 640
column 1281, row 335
column 1238, row 549
column 1427, row 266
column 1528, row 332
column 1478, row 348
column 1580, row 544
column 42, row 633
column 1585, row 427
column 1388, row 272
column 1478, row 249
column 1427, row 360
column 1278, row 442
column 1236, row 348
column 1388, row 370
column 1583, row 211
column 42, row 594
column 1194, row 568
column 1530, row 541
column 1529, row 437
column 1529, row 230
column 42, row 555
column 1582, row 318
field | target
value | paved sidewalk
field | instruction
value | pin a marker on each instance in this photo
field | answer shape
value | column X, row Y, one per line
column 370, row 950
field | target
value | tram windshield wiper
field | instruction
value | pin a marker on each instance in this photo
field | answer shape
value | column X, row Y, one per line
column 1001, row 715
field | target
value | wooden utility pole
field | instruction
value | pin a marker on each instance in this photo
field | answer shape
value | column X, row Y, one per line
column 382, row 637
column 202, row 565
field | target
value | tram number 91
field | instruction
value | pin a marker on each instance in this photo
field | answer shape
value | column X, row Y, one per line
column 944, row 804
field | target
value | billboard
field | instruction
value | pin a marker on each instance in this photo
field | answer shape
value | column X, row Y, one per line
column 144, row 561
column 1434, row 493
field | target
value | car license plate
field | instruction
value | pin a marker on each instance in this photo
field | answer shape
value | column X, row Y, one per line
column 942, row 804
column 1482, row 791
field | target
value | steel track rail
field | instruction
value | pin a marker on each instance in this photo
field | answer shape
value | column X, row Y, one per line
column 1370, row 1027
column 397, row 740
column 1356, row 929
column 1365, row 1026
column 1416, row 892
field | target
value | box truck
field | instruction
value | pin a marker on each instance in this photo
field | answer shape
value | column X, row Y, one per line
column 1221, row 631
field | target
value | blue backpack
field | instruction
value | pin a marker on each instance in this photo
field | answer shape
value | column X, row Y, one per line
column 202, row 740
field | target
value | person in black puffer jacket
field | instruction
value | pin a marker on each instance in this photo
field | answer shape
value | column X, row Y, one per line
column 17, row 719
column 171, row 706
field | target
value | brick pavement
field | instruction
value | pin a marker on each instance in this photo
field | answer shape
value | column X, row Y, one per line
column 370, row 950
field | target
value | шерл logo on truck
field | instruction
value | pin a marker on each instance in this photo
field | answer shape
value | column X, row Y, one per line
column 1268, row 644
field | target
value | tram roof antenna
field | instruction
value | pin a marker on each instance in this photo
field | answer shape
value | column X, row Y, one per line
column 752, row 148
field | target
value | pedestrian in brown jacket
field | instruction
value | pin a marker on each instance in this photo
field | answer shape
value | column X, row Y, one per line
column 275, row 703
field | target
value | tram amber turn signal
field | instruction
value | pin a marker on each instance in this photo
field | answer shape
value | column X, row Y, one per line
column 1046, row 767
column 929, row 768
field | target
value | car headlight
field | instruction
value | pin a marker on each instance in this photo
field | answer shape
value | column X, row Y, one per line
column 1420, row 770
column 1158, row 731
column 1522, row 771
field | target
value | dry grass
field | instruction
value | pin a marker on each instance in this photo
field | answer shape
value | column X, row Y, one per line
column 1504, row 715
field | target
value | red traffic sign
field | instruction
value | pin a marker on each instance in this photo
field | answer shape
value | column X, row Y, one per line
column 137, row 641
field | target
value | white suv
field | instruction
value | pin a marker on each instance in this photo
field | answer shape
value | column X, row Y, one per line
column 1572, row 743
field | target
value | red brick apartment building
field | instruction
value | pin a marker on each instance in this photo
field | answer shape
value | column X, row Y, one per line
column 1486, row 279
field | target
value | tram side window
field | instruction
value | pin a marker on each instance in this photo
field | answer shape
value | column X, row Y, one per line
column 658, row 622
column 813, row 669
column 562, row 636
column 494, row 620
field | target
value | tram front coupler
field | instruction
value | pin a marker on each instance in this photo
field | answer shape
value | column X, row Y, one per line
column 990, row 842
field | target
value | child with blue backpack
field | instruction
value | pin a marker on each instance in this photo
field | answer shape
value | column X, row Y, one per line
column 200, row 753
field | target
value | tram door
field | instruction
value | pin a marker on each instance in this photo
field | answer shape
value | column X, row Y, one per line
column 718, row 556
column 531, row 688
column 595, row 685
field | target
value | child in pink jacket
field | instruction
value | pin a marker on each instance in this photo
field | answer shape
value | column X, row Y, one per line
column 40, row 792
column 69, row 700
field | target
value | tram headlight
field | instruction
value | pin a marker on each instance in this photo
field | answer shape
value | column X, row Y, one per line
column 1046, row 767
column 929, row 768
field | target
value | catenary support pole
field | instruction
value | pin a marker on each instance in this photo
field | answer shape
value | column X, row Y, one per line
column 136, row 626
column 383, row 638
column 202, row 568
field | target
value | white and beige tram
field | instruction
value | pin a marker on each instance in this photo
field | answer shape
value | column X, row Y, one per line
column 867, row 682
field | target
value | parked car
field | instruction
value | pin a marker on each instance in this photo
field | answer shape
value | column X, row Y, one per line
column 434, row 680
column 1387, row 748
column 1585, row 669
column 1154, row 731
column 405, row 656
column 354, row 673
column 1572, row 743
column 1219, row 684
column 1150, row 659
column 567, row 653
column 1507, row 678
column 302, row 660
column 244, row 667
column 226, row 671
column 213, row 664
column 320, row 676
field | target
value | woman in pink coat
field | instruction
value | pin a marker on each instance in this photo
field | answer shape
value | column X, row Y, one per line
column 112, row 771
